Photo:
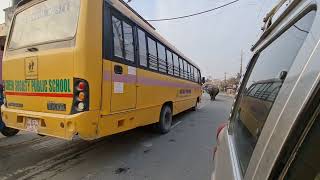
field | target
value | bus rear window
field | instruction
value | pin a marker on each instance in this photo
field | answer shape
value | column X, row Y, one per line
column 48, row 21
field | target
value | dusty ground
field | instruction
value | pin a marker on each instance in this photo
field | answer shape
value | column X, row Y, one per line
column 185, row 153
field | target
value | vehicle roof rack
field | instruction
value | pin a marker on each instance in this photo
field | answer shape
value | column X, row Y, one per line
column 23, row 2
column 270, row 22
column 136, row 13
column 268, row 18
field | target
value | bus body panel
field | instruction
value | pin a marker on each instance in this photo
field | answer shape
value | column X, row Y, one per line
column 123, row 87
column 117, row 101
column 88, row 51
column 53, row 82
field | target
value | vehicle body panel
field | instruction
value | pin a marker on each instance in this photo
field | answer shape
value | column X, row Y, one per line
column 296, row 91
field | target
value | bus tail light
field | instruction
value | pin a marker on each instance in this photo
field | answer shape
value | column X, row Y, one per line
column 80, row 96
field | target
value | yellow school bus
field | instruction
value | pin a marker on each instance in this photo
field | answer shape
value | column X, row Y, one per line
column 92, row 68
column 256, row 103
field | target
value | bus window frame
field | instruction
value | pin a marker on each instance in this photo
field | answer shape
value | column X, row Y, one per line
column 108, row 53
column 137, row 28
column 59, row 43
column 122, row 18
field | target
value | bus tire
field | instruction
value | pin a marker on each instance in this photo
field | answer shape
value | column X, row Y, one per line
column 195, row 107
column 165, row 121
column 9, row 132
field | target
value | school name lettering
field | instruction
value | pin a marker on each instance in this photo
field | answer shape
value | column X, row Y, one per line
column 51, row 85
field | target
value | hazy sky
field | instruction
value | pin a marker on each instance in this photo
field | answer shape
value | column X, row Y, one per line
column 213, row 40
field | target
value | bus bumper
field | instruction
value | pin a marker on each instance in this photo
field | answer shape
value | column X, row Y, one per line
column 56, row 125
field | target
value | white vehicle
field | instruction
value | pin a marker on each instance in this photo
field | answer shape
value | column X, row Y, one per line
column 274, row 126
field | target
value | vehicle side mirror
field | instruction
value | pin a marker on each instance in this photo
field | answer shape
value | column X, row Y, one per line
column 283, row 75
column 203, row 80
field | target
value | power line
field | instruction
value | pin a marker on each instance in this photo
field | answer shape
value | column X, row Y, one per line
column 195, row 14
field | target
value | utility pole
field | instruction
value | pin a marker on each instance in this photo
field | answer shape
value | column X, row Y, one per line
column 225, row 82
column 241, row 60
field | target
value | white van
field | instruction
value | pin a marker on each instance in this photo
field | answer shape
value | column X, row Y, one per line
column 274, row 126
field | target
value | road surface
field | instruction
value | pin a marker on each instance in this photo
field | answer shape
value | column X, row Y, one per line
column 185, row 153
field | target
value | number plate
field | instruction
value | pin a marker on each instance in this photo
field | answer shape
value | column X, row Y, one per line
column 32, row 125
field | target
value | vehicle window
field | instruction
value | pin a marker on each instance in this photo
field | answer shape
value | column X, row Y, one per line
column 176, row 65
column 196, row 75
column 181, row 68
column 192, row 73
column 117, row 37
column 170, row 62
column 142, row 48
column 272, row 91
column 32, row 26
column 306, row 162
column 260, row 90
column 152, row 55
column 128, row 42
column 254, row 89
column 162, row 58
column 253, row 112
column 185, row 69
column 248, row 91
column 265, row 91
column 188, row 71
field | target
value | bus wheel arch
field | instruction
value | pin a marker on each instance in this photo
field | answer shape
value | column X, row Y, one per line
column 195, row 107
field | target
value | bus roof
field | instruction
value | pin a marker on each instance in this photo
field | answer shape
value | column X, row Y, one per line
column 139, row 20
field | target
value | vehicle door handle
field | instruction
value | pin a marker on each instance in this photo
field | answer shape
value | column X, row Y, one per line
column 118, row 69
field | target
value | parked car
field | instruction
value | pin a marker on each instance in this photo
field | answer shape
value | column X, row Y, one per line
column 274, row 127
column 6, row 131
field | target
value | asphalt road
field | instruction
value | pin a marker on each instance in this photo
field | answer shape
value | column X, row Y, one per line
column 185, row 153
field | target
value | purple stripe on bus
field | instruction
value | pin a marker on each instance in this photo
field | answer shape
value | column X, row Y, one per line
column 106, row 76
column 156, row 82
column 145, row 81
column 124, row 78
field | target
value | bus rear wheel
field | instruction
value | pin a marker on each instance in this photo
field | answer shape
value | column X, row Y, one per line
column 165, row 121
column 8, row 132
column 195, row 107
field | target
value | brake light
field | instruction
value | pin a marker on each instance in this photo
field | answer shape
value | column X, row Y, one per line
column 81, row 86
column 219, row 130
column 81, row 96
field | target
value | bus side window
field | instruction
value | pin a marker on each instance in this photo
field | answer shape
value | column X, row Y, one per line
column 181, row 68
column 117, row 37
column 195, row 75
column 152, row 54
column 170, row 62
column 188, row 70
column 176, row 65
column 142, row 48
column 185, row 69
column 162, row 58
column 128, row 42
column 123, row 42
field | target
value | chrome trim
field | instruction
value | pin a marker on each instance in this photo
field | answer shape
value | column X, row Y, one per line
column 234, row 158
